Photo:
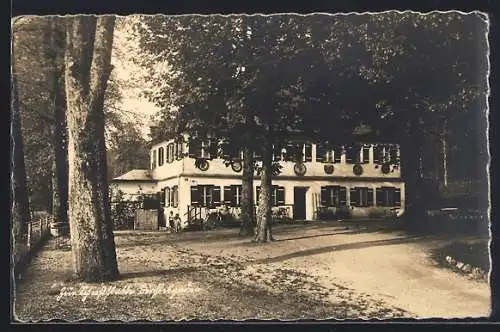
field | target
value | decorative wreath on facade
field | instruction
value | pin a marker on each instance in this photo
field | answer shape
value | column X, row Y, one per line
column 386, row 168
column 357, row 169
column 299, row 169
column 202, row 164
column 329, row 169
column 237, row 166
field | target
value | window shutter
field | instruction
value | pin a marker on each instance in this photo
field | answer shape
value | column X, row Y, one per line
column 175, row 196
column 342, row 196
column 160, row 156
column 154, row 158
column 194, row 150
column 308, row 152
column 162, row 197
column 180, row 150
column 366, row 154
column 195, row 195
column 172, row 197
column 171, row 149
column 397, row 197
column 379, row 196
column 280, row 196
column 228, row 195
column 323, row 196
column 257, row 195
column 176, row 151
column 354, row 197
column 167, row 196
column 216, row 195
column 370, row 197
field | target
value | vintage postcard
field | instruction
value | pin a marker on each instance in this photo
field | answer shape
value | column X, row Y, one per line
column 236, row 167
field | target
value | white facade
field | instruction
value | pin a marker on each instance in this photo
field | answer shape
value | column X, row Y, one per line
column 310, row 195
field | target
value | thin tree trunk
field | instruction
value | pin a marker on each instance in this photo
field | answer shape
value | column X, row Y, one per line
column 89, row 208
column 20, row 201
column 59, row 167
column 445, row 156
column 247, row 200
column 263, row 229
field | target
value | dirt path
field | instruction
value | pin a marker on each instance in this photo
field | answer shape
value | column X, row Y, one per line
column 187, row 285
column 393, row 267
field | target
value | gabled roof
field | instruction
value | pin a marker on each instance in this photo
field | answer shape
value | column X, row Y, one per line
column 135, row 175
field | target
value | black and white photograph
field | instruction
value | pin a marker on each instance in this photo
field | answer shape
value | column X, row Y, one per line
column 328, row 166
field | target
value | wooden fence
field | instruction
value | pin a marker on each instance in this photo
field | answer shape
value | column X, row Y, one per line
column 38, row 231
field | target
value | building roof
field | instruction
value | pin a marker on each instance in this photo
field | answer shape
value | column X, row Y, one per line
column 135, row 175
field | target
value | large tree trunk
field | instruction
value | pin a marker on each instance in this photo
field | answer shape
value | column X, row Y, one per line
column 20, row 201
column 89, row 207
column 411, row 165
column 59, row 165
column 263, row 229
column 247, row 201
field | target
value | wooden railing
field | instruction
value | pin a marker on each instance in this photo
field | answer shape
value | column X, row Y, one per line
column 279, row 214
column 38, row 230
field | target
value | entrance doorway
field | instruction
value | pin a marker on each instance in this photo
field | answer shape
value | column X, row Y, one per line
column 299, row 203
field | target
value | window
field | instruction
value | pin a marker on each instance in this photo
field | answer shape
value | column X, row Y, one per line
column 194, row 148
column 366, row 154
column 277, row 196
column 160, row 156
column 294, row 151
column 324, row 154
column 382, row 154
column 276, row 153
column 170, row 152
column 232, row 195
column 353, row 154
column 333, row 196
column 337, row 154
column 388, row 196
column 205, row 195
column 167, row 196
column 361, row 196
column 394, row 154
column 174, row 197
column 207, row 149
column 153, row 163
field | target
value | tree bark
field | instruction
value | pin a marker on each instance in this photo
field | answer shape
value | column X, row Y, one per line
column 20, row 201
column 91, row 230
column 247, row 200
column 263, row 229
column 411, row 166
